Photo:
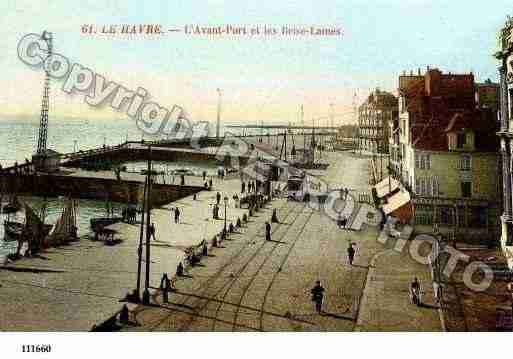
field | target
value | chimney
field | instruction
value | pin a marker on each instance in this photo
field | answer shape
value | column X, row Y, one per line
column 432, row 82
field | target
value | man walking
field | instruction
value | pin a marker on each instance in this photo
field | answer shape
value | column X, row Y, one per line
column 177, row 215
column 165, row 287
column 267, row 231
column 318, row 296
column 152, row 231
column 350, row 253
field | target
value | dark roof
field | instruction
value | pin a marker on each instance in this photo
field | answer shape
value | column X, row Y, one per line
column 442, row 103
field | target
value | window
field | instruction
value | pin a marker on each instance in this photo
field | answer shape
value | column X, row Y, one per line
column 422, row 161
column 461, row 140
column 466, row 189
column 465, row 162
column 436, row 191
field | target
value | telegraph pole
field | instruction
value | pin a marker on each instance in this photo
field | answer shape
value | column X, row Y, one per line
column 218, row 113
column 140, row 248
column 146, row 294
column 303, row 125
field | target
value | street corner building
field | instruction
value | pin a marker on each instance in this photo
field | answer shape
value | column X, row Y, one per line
column 444, row 151
column 505, row 134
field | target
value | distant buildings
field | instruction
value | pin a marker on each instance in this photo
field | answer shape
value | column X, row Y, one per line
column 505, row 55
column 443, row 149
column 374, row 116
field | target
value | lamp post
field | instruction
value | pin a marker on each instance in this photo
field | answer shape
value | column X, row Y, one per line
column 225, row 205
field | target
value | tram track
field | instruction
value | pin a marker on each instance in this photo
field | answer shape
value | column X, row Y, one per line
column 278, row 270
column 214, row 279
column 253, row 256
column 254, row 276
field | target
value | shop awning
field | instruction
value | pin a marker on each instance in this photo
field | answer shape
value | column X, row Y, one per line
column 386, row 186
column 396, row 201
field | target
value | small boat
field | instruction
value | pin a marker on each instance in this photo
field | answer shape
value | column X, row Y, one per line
column 99, row 223
column 183, row 171
column 13, row 230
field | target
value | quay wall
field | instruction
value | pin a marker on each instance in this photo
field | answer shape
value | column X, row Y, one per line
column 92, row 188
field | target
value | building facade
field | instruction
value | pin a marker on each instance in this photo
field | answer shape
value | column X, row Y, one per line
column 374, row 116
column 505, row 134
column 444, row 151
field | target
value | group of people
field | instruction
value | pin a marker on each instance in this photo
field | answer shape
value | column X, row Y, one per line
column 342, row 221
column 207, row 185
column 129, row 214
column 251, row 187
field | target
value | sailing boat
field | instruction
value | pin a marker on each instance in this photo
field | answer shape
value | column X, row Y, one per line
column 65, row 229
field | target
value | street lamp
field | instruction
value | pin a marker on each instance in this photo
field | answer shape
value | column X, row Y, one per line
column 225, row 205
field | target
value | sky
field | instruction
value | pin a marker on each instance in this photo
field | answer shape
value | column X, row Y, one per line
column 262, row 78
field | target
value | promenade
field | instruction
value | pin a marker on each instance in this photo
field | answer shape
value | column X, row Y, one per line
column 246, row 284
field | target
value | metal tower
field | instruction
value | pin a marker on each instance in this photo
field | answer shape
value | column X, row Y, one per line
column 43, row 123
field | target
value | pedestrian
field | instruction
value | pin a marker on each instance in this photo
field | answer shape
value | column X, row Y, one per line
column 123, row 315
column 179, row 269
column 173, row 178
column 205, row 185
column 177, row 215
column 182, row 180
column 318, row 296
column 216, row 211
column 415, row 292
column 210, row 183
column 165, row 286
column 350, row 253
column 218, row 198
column 346, row 193
column 274, row 218
column 204, row 250
column 344, row 222
column 243, row 187
column 239, row 223
column 267, row 231
column 152, row 231
column 204, row 175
